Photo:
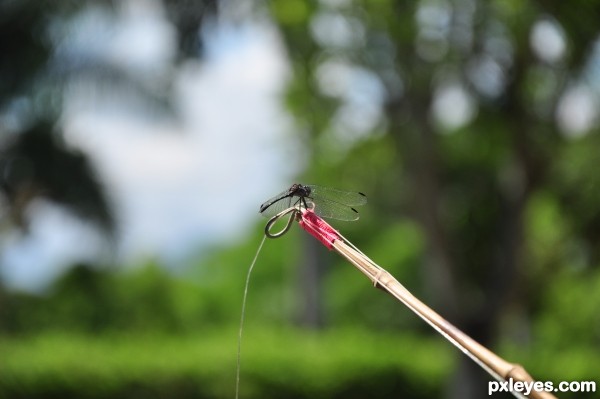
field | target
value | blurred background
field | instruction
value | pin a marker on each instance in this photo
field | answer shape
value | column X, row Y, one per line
column 139, row 137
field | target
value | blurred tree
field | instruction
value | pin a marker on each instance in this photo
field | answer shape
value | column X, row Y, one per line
column 471, row 96
column 92, row 300
column 34, row 69
column 36, row 164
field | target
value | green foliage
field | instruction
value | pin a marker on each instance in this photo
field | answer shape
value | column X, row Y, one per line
column 275, row 363
column 575, row 290
column 547, row 237
column 293, row 12
column 150, row 298
column 91, row 300
column 348, row 299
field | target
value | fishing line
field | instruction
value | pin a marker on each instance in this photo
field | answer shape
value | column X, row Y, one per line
column 239, row 349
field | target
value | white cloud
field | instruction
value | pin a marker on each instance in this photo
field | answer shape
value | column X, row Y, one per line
column 198, row 180
column 55, row 239
column 192, row 182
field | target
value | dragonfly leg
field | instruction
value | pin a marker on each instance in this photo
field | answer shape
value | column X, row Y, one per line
column 304, row 203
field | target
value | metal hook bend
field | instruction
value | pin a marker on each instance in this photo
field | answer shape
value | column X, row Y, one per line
column 293, row 211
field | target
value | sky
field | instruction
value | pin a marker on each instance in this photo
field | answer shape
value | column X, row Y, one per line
column 183, row 181
column 177, row 184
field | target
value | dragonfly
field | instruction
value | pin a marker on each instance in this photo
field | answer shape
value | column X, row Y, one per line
column 324, row 201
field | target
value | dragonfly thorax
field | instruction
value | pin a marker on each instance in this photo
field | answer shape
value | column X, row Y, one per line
column 300, row 190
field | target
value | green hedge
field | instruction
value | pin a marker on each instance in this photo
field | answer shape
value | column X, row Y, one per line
column 279, row 364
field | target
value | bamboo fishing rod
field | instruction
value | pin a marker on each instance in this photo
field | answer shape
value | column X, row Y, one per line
column 502, row 370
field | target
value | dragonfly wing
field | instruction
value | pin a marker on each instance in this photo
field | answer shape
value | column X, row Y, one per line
column 350, row 198
column 333, row 210
column 273, row 200
column 274, row 206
